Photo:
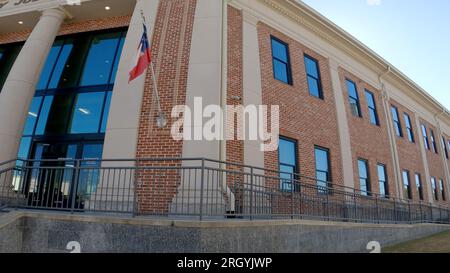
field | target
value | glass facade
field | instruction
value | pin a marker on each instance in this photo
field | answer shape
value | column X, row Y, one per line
column 73, row 95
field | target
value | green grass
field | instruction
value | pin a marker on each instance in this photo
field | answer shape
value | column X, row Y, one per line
column 438, row 243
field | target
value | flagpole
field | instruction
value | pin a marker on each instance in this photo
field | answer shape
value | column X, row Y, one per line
column 161, row 119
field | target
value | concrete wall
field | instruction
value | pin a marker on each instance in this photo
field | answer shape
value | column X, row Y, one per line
column 41, row 232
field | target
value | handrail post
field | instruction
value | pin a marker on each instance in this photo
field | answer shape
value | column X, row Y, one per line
column 421, row 213
column 376, row 207
column 431, row 213
column 202, row 181
column 395, row 211
column 409, row 211
column 135, row 185
column 355, row 205
column 251, row 192
column 292, row 196
column 440, row 214
column 75, row 185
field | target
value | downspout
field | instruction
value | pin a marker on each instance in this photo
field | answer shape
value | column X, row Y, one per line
column 392, row 138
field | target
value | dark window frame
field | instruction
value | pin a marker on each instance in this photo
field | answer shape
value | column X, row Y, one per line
column 350, row 98
column 287, row 62
column 433, row 142
column 434, row 188
column 409, row 128
column 329, row 181
column 425, row 137
column 407, row 184
column 444, row 146
column 368, row 191
column 385, row 182
column 372, row 109
column 397, row 122
column 296, row 167
column 318, row 80
column 419, row 185
column 442, row 189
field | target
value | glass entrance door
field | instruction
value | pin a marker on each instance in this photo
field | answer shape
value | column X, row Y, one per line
column 57, row 179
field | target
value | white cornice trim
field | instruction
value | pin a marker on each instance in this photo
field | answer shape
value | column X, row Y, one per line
column 317, row 23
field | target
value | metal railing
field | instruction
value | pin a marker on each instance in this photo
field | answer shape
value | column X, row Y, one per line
column 196, row 187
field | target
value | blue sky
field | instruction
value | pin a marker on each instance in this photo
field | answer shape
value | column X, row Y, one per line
column 413, row 35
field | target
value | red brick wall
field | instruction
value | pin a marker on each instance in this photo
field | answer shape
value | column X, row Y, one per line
column 309, row 120
column 71, row 28
column 368, row 141
column 171, row 45
column 410, row 157
column 235, row 148
column 435, row 164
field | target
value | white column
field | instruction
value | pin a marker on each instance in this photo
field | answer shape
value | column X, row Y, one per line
column 423, row 153
column 344, row 132
column 398, row 179
column 204, row 75
column 124, row 114
column 252, row 89
column 122, row 130
column 19, row 88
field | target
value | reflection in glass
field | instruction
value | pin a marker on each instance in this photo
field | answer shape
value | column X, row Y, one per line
column 43, row 116
column 48, row 66
column 106, row 112
column 100, row 59
column 32, row 116
column 87, row 113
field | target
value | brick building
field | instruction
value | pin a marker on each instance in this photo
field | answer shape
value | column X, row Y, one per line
column 348, row 119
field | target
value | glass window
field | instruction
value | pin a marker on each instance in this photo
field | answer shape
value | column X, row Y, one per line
column 116, row 62
column 47, row 70
column 425, row 137
column 313, row 77
column 106, row 112
column 409, row 129
column 100, row 60
column 33, row 113
column 322, row 156
column 287, row 156
column 24, row 148
column 433, row 141
column 383, row 182
column 397, row 123
column 353, row 99
column 281, row 63
column 43, row 116
column 364, row 181
column 442, row 188
column 62, row 65
column 444, row 146
column 372, row 108
column 419, row 186
column 406, row 185
column 87, row 113
column 434, row 187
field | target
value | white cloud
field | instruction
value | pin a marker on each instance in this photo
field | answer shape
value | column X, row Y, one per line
column 373, row 2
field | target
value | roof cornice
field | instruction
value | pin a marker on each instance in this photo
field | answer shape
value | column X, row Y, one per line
column 327, row 30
